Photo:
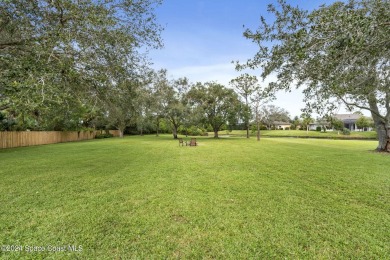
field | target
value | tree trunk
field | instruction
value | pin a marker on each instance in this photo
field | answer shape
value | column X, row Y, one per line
column 382, row 126
column 121, row 127
column 258, row 130
column 247, row 116
column 383, row 132
column 157, row 126
column 174, row 132
column 215, row 133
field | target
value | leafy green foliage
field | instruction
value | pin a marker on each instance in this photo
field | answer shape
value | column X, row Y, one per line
column 214, row 103
column 337, row 124
column 346, row 131
column 363, row 122
column 336, row 53
column 170, row 100
column 272, row 113
column 104, row 135
column 193, row 131
column 60, row 61
column 246, row 86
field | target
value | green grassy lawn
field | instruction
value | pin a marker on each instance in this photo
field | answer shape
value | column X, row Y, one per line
column 146, row 197
column 301, row 133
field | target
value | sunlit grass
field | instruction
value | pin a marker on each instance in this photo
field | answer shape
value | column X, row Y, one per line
column 146, row 197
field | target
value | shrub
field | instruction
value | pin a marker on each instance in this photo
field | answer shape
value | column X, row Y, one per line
column 346, row 131
column 196, row 131
column 193, row 131
column 318, row 128
column 105, row 135
column 209, row 128
column 287, row 128
column 254, row 128
column 337, row 124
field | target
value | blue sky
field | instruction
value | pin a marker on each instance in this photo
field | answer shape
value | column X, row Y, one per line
column 202, row 38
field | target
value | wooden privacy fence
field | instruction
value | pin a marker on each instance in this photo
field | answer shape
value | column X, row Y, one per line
column 28, row 138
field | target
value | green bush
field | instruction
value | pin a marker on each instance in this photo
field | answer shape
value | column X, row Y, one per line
column 346, row 131
column 196, row 131
column 254, row 128
column 318, row 128
column 193, row 131
column 105, row 135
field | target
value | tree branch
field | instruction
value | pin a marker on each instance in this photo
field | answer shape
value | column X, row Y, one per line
column 10, row 44
column 361, row 107
column 4, row 107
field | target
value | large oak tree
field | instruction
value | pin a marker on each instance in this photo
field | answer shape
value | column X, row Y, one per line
column 215, row 103
column 336, row 53
column 58, row 56
column 170, row 96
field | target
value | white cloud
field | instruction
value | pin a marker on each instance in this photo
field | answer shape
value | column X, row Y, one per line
column 224, row 72
column 221, row 73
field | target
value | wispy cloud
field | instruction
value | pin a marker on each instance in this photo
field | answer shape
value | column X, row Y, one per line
column 224, row 72
column 203, row 37
column 221, row 73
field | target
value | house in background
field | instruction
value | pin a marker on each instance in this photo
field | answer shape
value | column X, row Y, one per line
column 313, row 126
column 349, row 121
column 281, row 125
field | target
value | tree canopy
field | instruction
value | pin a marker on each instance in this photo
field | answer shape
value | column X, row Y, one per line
column 62, row 61
column 272, row 114
column 217, row 104
column 336, row 53
column 246, row 85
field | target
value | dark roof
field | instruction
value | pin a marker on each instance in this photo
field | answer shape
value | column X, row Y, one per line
column 344, row 117
column 281, row 123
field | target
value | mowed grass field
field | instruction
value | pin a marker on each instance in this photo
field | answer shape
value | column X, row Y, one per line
column 230, row 198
